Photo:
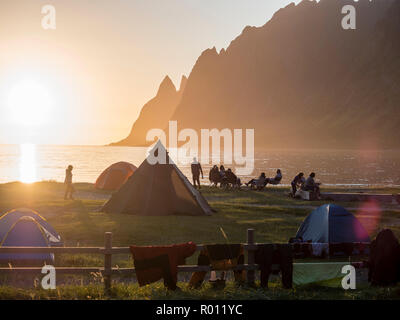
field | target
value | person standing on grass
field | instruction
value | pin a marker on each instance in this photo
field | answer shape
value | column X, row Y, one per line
column 196, row 170
column 69, row 188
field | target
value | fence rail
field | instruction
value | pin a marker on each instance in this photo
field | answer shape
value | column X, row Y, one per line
column 108, row 251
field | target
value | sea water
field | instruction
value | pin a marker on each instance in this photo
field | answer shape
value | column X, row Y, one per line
column 30, row 163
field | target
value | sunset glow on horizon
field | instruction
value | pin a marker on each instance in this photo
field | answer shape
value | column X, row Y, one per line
column 86, row 82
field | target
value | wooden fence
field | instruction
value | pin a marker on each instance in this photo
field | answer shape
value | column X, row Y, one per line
column 108, row 251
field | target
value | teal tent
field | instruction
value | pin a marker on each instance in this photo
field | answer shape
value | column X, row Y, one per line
column 26, row 232
column 332, row 224
column 8, row 219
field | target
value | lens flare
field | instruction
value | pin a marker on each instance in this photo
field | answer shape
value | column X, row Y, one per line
column 369, row 214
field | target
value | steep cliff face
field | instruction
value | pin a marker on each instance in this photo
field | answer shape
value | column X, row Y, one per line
column 301, row 80
column 155, row 113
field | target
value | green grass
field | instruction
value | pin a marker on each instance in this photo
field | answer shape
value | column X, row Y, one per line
column 273, row 215
column 157, row 291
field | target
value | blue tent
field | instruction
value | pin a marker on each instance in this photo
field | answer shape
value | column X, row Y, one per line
column 332, row 224
column 26, row 232
column 8, row 219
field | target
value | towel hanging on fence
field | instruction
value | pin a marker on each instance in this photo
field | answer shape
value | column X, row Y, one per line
column 220, row 257
column 281, row 254
column 153, row 263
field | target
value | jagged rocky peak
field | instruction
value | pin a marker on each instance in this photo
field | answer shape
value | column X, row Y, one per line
column 211, row 52
column 313, row 83
column 166, row 86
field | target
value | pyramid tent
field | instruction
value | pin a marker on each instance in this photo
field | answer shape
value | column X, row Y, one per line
column 332, row 224
column 158, row 189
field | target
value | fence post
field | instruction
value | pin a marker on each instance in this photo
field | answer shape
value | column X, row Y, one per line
column 107, row 261
column 250, row 257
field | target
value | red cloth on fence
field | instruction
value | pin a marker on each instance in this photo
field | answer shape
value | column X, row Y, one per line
column 146, row 257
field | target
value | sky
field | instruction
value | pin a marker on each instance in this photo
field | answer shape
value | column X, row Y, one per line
column 85, row 82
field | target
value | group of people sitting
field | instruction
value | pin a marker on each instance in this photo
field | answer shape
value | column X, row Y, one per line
column 262, row 181
column 308, row 184
column 224, row 177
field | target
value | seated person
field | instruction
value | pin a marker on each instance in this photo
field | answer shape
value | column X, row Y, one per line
column 311, row 185
column 297, row 181
column 259, row 183
column 214, row 175
column 275, row 180
column 222, row 174
column 222, row 171
column 232, row 178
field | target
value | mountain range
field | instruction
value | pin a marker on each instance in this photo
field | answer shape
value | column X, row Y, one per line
column 300, row 80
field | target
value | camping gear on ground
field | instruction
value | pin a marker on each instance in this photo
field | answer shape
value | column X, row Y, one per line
column 346, row 249
column 269, row 254
column 115, row 176
column 158, row 189
column 331, row 223
column 306, row 195
column 307, row 273
column 153, row 263
column 26, row 232
column 308, row 249
column 361, row 197
column 301, row 249
column 221, row 257
column 320, row 249
column 8, row 219
column 384, row 259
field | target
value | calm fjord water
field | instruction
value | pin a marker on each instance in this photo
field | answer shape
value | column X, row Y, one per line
column 29, row 163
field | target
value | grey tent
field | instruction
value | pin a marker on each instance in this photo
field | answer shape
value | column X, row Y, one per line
column 158, row 189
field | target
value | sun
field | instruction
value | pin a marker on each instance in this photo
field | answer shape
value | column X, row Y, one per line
column 29, row 103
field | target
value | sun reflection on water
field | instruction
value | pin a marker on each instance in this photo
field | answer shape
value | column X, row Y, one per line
column 27, row 163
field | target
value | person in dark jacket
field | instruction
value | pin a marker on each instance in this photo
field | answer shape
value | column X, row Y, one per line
column 384, row 259
column 297, row 181
column 214, row 176
column 196, row 170
column 69, row 188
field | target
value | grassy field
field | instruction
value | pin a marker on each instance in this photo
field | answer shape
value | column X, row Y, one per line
column 273, row 215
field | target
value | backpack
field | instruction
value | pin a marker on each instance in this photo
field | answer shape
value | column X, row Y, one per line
column 384, row 260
